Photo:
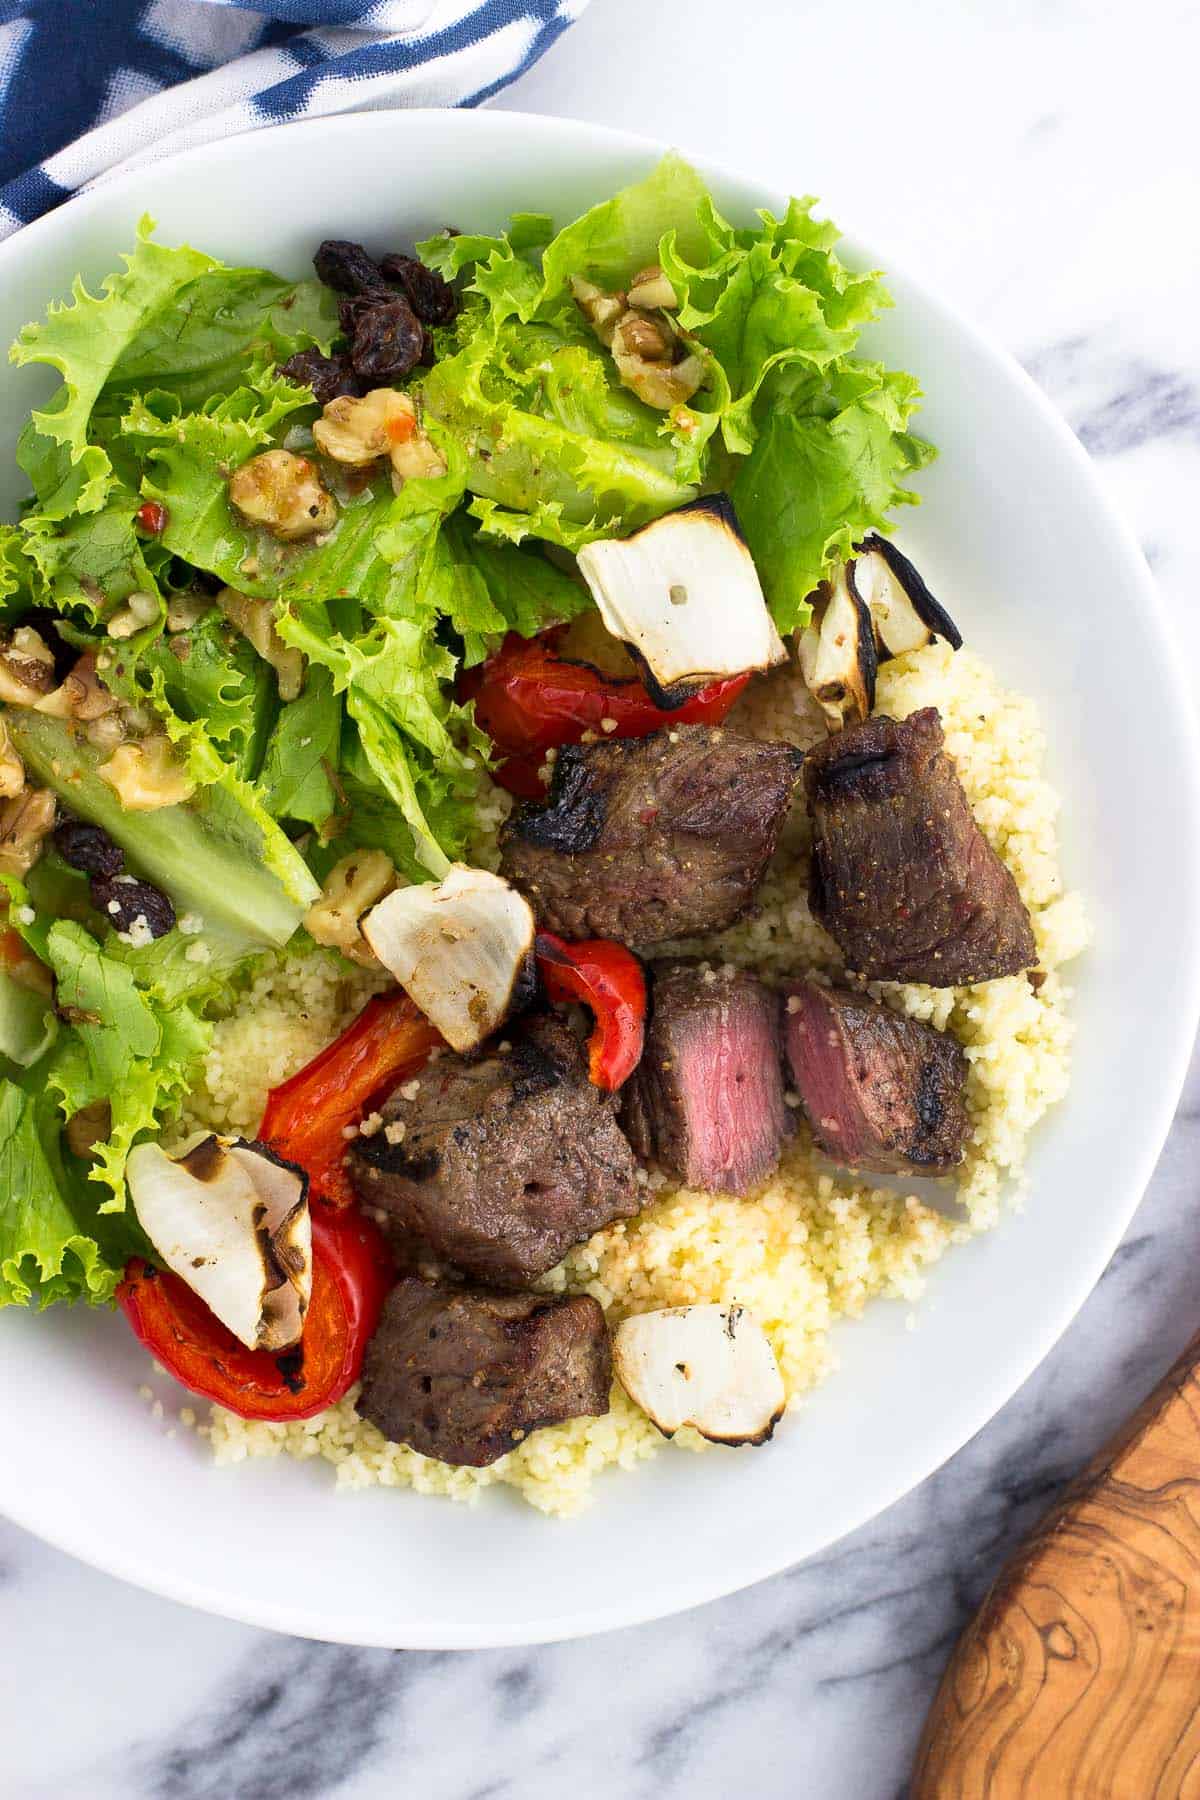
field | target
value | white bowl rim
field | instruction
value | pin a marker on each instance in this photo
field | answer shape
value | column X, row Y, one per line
column 1179, row 1031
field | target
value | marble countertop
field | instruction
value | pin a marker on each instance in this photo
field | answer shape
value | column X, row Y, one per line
column 1037, row 163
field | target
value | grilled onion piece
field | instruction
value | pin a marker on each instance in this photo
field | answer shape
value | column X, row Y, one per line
column 837, row 652
column 461, row 948
column 711, row 1367
column 684, row 596
column 904, row 612
column 231, row 1219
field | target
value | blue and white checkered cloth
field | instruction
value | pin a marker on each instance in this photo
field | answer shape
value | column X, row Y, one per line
column 88, row 87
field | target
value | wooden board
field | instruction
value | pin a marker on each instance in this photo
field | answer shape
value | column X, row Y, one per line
column 1079, row 1678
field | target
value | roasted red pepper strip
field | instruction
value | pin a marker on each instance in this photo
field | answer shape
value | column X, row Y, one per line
column 352, row 1274
column 529, row 699
column 306, row 1118
column 610, row 980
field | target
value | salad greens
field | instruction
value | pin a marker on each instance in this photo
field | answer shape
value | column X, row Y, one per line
column 170, row 381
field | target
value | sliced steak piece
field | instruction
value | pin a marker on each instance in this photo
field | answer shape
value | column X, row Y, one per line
column 652, row 838
column 902, row 876
column 706, row 1100
column 881, row 1091
column 465, row 1374
column 504, row 1162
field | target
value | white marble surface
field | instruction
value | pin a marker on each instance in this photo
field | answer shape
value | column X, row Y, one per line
column 1037, row 161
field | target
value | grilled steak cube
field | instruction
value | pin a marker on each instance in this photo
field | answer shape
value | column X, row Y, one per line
column 881, row 1091
column 652, row 838
column 706, row 1100
column 503, row 1163
column 902, row 876
column 465, row 1374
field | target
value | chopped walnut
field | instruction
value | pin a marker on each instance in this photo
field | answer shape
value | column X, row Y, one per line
column 382, row 423
column 186, row 610
column 351, row 888
column 26, row 667
column 255, row 619
column 642, row 350
column 80, row 695
column 25, row 822
column 147, row 776
column 138, row 611
column 90, row 1126
column 601, row 310
column 12, row 769
column 638, row 335
column 357, row 432
column 107, row 732
column 647, row 349
column 417, row 459
column 284, row 493
column 651, row 290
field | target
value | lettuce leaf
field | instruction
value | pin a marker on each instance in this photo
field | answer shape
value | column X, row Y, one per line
column 54, row 1246
column 610, row 242
column 188, row 458
column 123, row 1049
column 824, row 472
column 213, row 677
column 607, row 244
column 420, row 747
column 218, row 854
column 92, row 562
column 84, row 339
column 303, row 754
column 399, row 800
column 555, row 447
column 202, row 342
column 497, row 587
column 116, row 1042
column 558, row 450
column 412, row 579
column 17, row 573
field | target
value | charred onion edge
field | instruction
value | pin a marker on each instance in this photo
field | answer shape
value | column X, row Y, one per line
column 857, row 686
column 928, row 609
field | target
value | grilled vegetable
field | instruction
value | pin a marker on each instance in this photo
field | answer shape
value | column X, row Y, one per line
column 231, row 1219
column 531, row 698
column 307, row 1117
column 461, row 949
column 837, row 652
column 351, row 1274
column 684, row 595
column 611, row 982
column 905, row 614
column 711, row 1367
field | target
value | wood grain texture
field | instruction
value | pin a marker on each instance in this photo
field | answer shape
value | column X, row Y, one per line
column 1079, row 1678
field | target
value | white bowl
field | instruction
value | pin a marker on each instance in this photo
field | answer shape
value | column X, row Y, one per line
column 1018, row 536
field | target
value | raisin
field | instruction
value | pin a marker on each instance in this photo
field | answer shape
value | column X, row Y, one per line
column 388, row 339
column 349, row 311
column 327, row 376
column 347, row 267
column 432, row 299
column 88, row 847
column 124, row 901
